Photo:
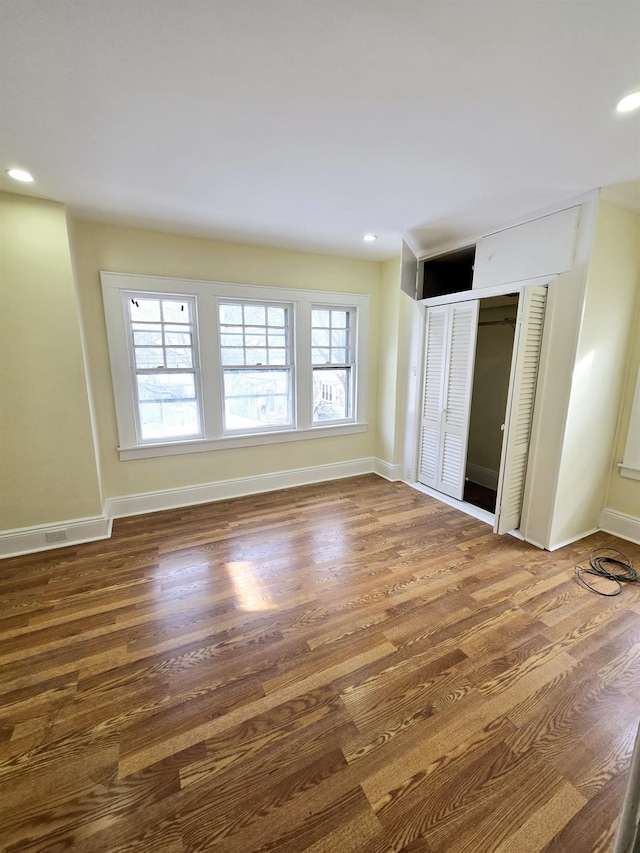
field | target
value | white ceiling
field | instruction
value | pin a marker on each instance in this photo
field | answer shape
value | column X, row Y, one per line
column 305, row 123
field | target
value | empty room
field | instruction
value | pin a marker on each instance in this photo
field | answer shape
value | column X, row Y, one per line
column 319, row 426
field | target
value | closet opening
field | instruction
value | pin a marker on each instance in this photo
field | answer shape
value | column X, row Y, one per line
column 492, row 369
column 478, row 401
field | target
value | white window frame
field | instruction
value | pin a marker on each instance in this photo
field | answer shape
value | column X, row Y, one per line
column 630, row 466
column 353, row 355
column 289, row 366
column 134, row 370
column 207, row 295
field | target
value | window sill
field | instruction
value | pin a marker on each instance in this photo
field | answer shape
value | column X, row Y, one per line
column 201, row 445
column 629, row 471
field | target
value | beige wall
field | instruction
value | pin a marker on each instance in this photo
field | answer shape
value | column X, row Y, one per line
column 47, row 459
column 103, row 247
column 624, row 493
column 388, row 360
column 409, row 384
column 598, row 374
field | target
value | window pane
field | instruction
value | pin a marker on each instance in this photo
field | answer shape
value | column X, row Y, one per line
column 149, row 327
column 178, row 339
column 228, row 340
column 231, row 314
column 148, row 338
column 255, row 339
column 338, row 356
column 179, row 357
column 232, row 356
column 256, row 398
column 320, row 318
column 320, row 337
column 339, row 319
column 276, row 316
column 277, row 339
column 168, row 406
column 166, row 386
column 145, row 309
column 277, row 356
column 331, row 394
column 149, row 356
column 176, row 312
column 338, row 337
column 256, row 356
column 319, row 356
column 254, row 315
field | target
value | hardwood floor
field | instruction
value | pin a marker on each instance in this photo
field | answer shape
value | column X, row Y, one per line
column 346, row 667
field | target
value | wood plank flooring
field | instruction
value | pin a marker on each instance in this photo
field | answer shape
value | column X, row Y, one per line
column 351, row 666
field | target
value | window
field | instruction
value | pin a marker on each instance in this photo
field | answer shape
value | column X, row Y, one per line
column 207, row 365
column 255, row 353
column 331, row 355
column 164, row 367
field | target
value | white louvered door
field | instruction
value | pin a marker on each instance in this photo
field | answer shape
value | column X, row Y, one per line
column 434, row 366
column 458, row 376
column 520, row 403
column 448, row 380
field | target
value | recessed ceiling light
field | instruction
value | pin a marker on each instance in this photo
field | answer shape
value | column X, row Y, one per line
column 369, row 238
column 629, row 102
column 20, row 175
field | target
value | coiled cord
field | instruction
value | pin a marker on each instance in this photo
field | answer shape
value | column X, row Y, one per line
column 608, row 563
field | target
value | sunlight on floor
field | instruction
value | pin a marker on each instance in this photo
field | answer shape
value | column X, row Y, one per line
column 248, row 587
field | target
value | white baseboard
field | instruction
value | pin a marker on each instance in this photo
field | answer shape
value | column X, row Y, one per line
column 238, row 487
column 620, row 524
column 572, row 539
column 482, row 476
column 388, row 471
column 28, row 540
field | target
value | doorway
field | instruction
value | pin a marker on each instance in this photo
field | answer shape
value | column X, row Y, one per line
column 506, row 382
column 492, row 369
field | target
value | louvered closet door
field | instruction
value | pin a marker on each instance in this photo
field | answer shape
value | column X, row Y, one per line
column 433, row 394
column 458, row 378
column 520, row 404
column 448, row 379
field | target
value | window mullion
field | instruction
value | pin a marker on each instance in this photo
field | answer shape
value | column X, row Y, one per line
column 302, row 371
column 211, row 376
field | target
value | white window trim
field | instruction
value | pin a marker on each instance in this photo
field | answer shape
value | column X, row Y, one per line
column 207, row 294
column 133, row 370
column 630, row 466
column 354, row 355
column 290, row 367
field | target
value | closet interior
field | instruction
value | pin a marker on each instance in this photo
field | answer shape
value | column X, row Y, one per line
column 492, row 369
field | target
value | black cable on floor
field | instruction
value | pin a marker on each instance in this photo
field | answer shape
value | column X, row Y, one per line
column 608, row 563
